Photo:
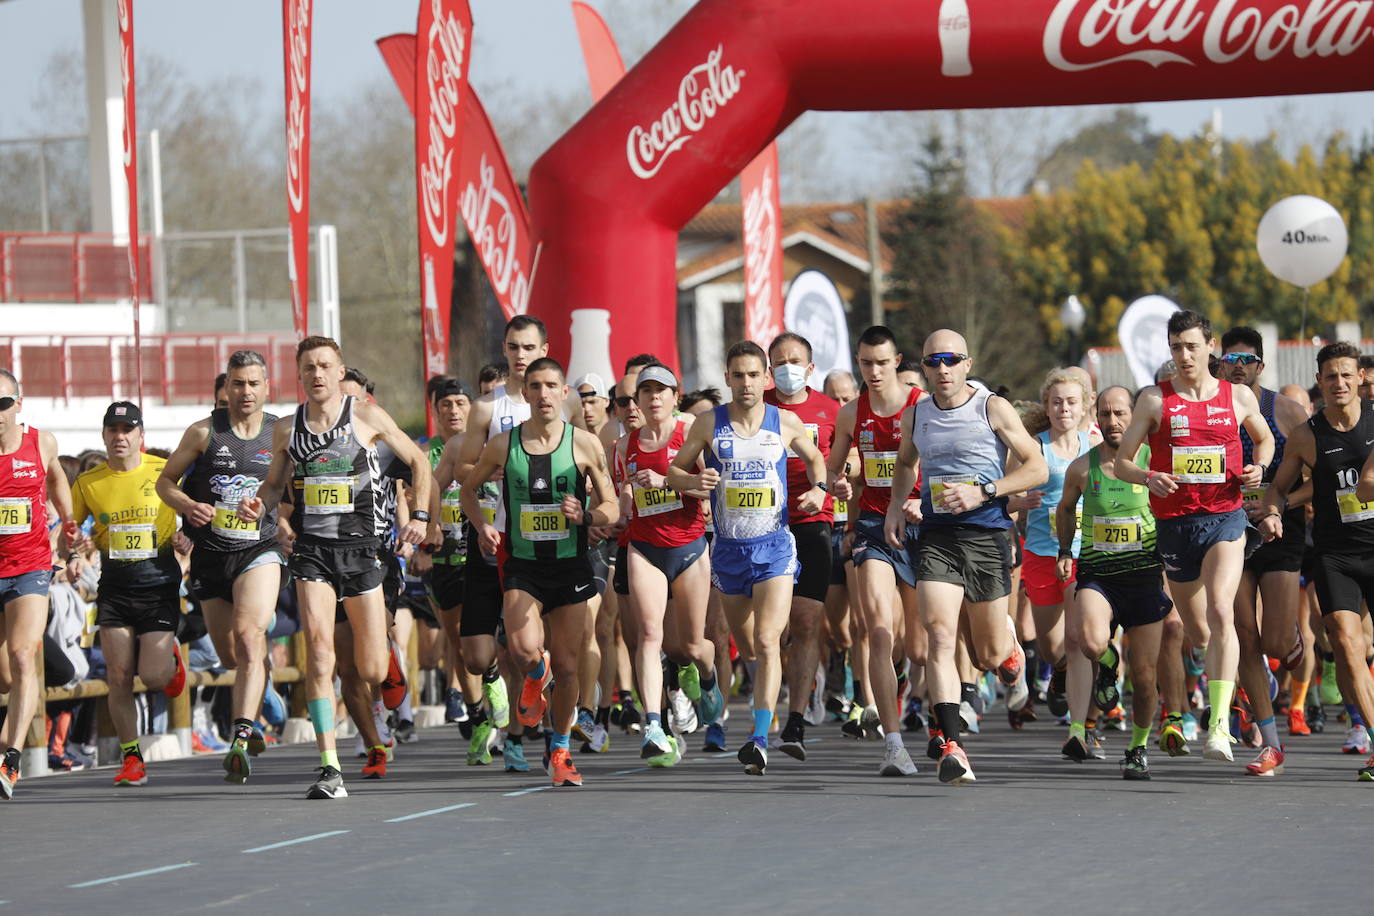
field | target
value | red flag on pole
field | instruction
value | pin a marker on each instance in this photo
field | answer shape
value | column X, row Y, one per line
column 443, row 36
column 762, row 211
column 295, row 16
column 604, row 64
column 125, row 12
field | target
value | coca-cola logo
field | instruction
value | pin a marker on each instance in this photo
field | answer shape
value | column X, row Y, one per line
column 705, row 89
column 496, row 234
column 297, row 85
column 446, row 45
column 760, row 252
column 1084, row 34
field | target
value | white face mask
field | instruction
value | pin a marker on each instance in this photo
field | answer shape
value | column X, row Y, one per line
column 790, row 378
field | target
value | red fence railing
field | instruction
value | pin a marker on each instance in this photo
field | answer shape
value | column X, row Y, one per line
column 79, row 267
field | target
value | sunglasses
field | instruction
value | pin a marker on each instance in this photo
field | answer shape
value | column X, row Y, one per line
column 7, row 402
column 944, row 359
column 1240, row 359
column 623, row 400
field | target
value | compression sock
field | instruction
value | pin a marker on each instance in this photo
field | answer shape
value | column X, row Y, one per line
column 1269, row 733
column 1297, row 694
column 947, row 714
column 1079, row 730
column 537, row 672
column 321, row 714
column 1353, row 713
column 603, row 715
column 1140, row 734
column 560, row 740
column 491, row 675
column 130, row 748
column 1219, row 694
column 476, row 714
column 243, row 730
column 968, row 693
column 762, row 719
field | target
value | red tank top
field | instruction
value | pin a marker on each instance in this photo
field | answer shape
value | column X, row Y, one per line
column 24, row 545
column 817, row 414
column 1199, row 443
column 662, row 517
column 877, row 438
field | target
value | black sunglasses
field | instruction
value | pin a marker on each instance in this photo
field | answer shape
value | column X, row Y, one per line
column 623, row 400
column 7, row 402
column 1240, row 359
column 944, row 359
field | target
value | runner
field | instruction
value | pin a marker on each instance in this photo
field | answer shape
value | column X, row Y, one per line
column 1195, row 479
column 753, row 556
column 546, row 465
column 138, row 599
column 962, row 434
column 884, row 574
column 1336, row 444
column 236, row 566
column 789, row 357
column 1274, row 569
column 591, row 389
column 840, row 386
column 31, row 480
column 329, row 456
column 1119, row 577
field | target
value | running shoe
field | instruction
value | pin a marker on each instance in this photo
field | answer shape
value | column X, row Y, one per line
column 793, row 739
column 1115, row 718
column 1295, row 655
column 1297, row 723
column 1136, row 765
column 629, row 718
column 236, row 765
column 1366, row 773
column 562, row 770
column 1075, row 749
column 853, row 723
column 1316, row 718
column 405, row 733
column 839, row 706
column 1356, row 741
column 1330, row 691
column 1218, row 747
column 583, row 727
column 655, row 744
column 1018, row 694
column 479, row 748
column 682, row 715
column 1171, row 737
column 178, row 682
column 273, row 706
column 1195, row 662
column 896, row 762
column 936, row 746
column 498, row 700
column 329, row 785
column 455, row 710
column 872, row 725
column 754, row 756
column 1095, row 747
column 712, row 704
column 1268, row 763
column 530, row 710
column 375, row 768
column 912, row 720
column 1105, row 693
column 954, row 765
column 1013, row 669
column 132, row 772
column 815, row 703
column 1273, row 684
column 1191, row 730
column 715, row 739
column 600, row 741
column 8, row 778
column 67, row 762
column 1056, row 698
column 689, row 679
column 394, row 684
column 513, row 757
column 969, row 718
column 257, row 743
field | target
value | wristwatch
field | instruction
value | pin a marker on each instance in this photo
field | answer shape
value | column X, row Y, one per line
column 420, row 515
column 821, row 484
column 989, row 490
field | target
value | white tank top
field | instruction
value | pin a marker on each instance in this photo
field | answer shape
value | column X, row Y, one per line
column 506, row 414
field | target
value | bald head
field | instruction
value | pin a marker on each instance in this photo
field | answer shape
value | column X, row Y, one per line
column 1299, row 394
column 945, row 341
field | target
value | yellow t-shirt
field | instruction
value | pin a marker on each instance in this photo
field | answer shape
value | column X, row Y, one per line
column 133, row 527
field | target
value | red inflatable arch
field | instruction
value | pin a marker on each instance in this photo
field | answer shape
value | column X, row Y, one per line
column 609, row 198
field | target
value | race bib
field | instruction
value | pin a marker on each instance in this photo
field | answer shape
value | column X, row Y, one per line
column 328, row 495
column 489, row 504
column 543, row 522
column 1352, row 510
column 878, row 468
column 814, row 431
column 451, row 514
column 133, row 542
column 751, row 500
column 841, row 509
column 1199, row 463
column 16, row 515
column 938, row 486
column 1117, row 533
column 656, row 500
column 228, row 524
column 1251, row 498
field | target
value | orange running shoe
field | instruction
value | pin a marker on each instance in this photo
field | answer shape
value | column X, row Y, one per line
column 1268, row 763
column 375, row 768
column 954, row 766
column 1297, row 722
column 562, row 769
column 530, row 709
column 1010, row 670
column 394, row 686
column 178, row 682
column 132, row 773
column 8, row 778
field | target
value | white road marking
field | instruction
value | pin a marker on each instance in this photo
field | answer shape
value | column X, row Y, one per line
column 132, row 874
column 526, row 791
column 304, row 839
column 411, row 817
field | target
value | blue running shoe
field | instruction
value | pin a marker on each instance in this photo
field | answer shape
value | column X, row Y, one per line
column 715, row 739
column 712, row 704
column 455, row 710
column 514, row 756
column 273, row 706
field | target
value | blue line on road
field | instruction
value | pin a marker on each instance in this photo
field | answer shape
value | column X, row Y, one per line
column 411, row 817
column 527, row 791
column 132, row 874
column 304, row 839
column 628, row 772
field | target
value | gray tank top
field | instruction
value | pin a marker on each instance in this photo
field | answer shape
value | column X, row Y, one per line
column 959, row 445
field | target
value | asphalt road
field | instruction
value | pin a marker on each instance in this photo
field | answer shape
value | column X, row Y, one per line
column 1035, row 834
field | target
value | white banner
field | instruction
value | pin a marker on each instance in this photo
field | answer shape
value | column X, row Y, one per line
column 814, row 310
column 1144, row 336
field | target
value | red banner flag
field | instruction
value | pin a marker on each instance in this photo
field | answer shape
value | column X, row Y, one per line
column 295, row 15
column 125, row 12
column 604, row 64
column 762, row 211
column 443, row 35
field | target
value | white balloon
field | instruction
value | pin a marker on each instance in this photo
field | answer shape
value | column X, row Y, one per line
column 1302, row 240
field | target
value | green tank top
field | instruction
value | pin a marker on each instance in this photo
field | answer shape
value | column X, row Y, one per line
column 535, row 485
column 1118, row 527
column 453, row 552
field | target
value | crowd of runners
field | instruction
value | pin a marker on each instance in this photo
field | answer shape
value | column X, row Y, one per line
column 897, row 556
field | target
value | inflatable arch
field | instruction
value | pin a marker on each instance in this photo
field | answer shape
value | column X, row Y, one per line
column 609, row 198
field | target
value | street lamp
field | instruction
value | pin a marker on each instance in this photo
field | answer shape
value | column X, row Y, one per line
column 1073, row 316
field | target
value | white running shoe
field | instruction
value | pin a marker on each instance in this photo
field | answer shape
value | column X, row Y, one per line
column 1218, row 745
column 601, row 739
column 1356, row 741
column 1018, row 694
column 896, row 762
column 682, row 714
column 815, row 707
column 968, row 718
column 871, row 724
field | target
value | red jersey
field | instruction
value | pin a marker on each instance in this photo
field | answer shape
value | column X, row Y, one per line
column 662, row 516
column 817, row 414
column 24, row 545
column 877, row 438
column 1199, row 443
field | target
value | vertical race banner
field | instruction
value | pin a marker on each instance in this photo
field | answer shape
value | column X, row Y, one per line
column 762, row 212
column 605, row 66
column 443, row 35
column 295, row 16
column 125, row 12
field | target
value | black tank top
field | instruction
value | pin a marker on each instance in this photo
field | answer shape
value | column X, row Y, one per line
column 1341, row 523
column 335, row 481
column 232, row 468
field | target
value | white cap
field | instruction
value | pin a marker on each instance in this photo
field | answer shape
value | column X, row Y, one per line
column 598, row 385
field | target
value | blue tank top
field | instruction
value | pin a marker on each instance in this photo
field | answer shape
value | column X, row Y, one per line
column 750, row 502
column 959, row 445
column 1040, row 537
